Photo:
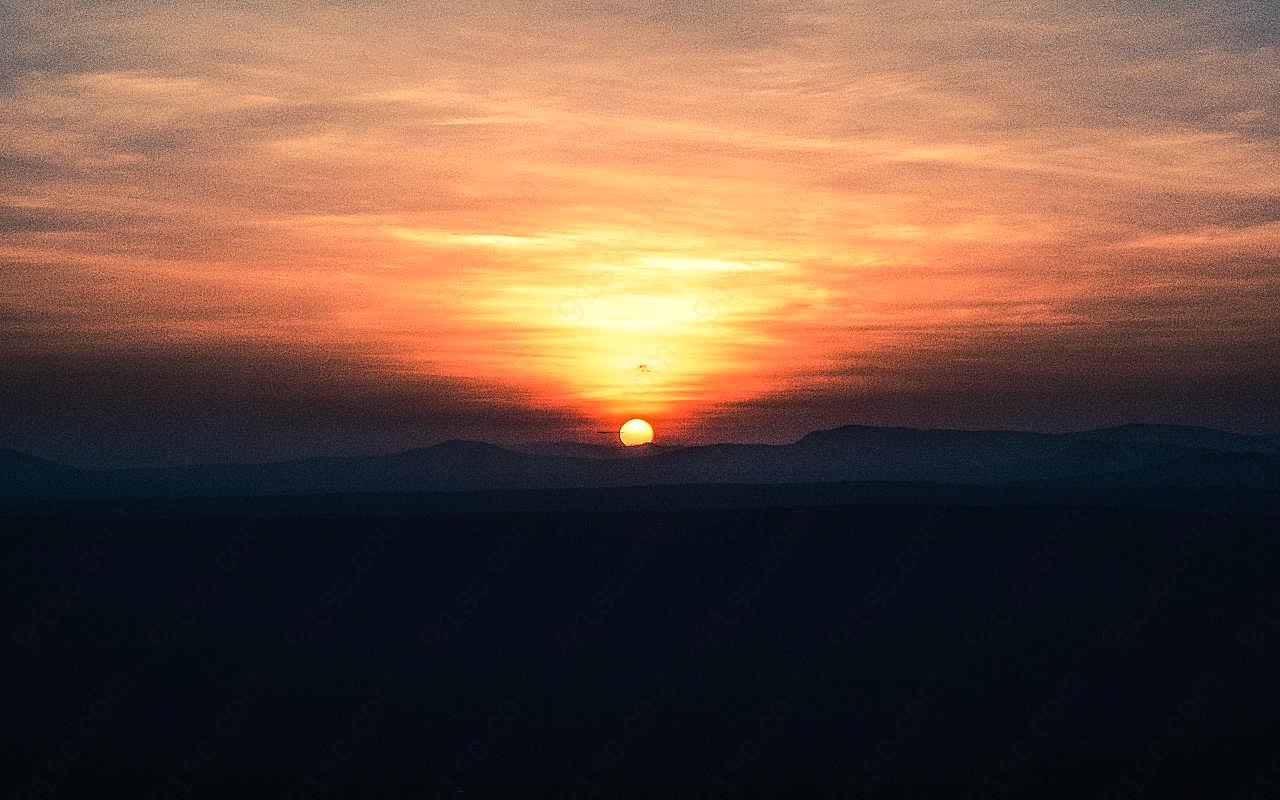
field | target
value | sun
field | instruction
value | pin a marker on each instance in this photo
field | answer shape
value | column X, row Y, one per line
column 635, row 431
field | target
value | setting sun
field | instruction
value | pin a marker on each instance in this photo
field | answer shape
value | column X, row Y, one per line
column 635, row 431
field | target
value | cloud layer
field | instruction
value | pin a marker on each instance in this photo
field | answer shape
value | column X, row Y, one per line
column 725, row 217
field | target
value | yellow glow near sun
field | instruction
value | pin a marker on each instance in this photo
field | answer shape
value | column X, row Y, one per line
column 635, row 431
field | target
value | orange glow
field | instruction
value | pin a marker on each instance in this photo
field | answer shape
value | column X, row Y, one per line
column 670, row 222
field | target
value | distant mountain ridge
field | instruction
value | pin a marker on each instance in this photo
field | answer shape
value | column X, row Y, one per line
column 587, row 450
column 1128, row 455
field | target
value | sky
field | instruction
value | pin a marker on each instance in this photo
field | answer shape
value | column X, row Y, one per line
column 244, row 231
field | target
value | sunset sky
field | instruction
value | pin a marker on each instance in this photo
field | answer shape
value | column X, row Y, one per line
column 261, row 230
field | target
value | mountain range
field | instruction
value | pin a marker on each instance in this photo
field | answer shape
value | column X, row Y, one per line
column 1126, row 456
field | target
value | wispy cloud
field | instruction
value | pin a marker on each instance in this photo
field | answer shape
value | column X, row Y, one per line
column 769, row 195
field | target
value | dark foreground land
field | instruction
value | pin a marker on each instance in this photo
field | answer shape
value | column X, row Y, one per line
column 886, row 651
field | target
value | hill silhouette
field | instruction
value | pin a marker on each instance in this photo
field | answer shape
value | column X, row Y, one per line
column 1126, row 456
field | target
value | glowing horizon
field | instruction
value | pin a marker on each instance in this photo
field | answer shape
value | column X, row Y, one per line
column 820, row 212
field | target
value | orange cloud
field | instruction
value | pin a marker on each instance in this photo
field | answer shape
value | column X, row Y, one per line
column 547, row 199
